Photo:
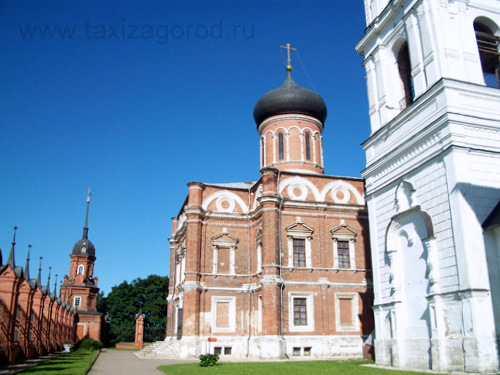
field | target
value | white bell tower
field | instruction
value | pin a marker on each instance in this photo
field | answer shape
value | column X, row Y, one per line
column 433, row 180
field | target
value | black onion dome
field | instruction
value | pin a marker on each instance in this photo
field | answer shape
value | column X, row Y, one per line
column 287, row 99
column 84, row 247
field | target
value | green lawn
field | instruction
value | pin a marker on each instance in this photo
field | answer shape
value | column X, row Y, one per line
column 75, row 363
column 282, row 368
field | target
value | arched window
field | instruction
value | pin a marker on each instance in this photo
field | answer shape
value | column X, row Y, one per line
column 308, row 146
column 80, row 270
column 488, row 46
column 404, row 69
column 281, row 146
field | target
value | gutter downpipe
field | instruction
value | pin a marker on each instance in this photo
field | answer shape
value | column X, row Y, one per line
column 249, row 273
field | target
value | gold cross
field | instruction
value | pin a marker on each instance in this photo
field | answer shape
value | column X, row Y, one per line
column 288, row 48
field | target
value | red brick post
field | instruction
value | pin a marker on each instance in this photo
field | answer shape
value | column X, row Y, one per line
column 139, row 332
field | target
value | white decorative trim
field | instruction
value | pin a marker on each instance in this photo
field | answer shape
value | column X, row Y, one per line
column 354, row 312
column 225, row 196
column 232, row 314
column 301, row 183
column 309, row 327
column 344, row 187
column 299, row 230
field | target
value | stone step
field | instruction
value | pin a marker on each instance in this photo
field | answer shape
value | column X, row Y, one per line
column 169, row 348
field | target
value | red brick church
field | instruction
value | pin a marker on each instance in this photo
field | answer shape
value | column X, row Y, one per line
column 277, row 267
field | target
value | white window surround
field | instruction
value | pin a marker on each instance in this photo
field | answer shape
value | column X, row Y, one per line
column 224, row 241
column 299, row 230
column 80, row 269
column 310, row 312
column 258, row 241
column 354, row 311
column 180, row 266
column 343, row 232
column 77, row 301
column 259, row 258
column 232, row 314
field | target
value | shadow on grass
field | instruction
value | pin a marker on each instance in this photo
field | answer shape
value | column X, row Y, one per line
column 76, row 363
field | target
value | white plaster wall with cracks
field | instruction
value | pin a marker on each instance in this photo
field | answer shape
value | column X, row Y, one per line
column 432, row 167
column 225, row 201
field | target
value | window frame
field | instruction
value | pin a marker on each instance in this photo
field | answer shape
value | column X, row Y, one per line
column 82, row 267
column 343, row 260
column 309, row 326
column 299, row 230
column 79, row 299
column 307, row 141
column 281, row 146
column 344, row 233
column 299, row 252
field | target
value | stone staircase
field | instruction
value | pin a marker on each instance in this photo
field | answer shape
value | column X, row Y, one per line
column 167, row 348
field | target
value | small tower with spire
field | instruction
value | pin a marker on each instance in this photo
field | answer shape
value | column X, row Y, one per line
column 79, row 288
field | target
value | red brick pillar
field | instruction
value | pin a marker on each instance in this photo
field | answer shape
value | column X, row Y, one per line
column 191, row 300
column 271, row 284
column 139, row 332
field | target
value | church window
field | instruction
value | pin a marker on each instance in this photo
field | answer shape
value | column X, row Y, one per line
column 80, row 270
column 301, row 312
column 404, row 69
column 299, row 237
column 281, row 146
column 488, row 45
column 77, row 301
column 308, row 146
column 343, row 254
column 344, row 239
column 299, row 252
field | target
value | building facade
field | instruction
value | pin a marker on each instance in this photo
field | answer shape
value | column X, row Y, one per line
column 79, row 288
column 433, row 181
column 279, row 267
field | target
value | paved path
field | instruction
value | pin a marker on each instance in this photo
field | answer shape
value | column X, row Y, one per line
column 124, row 362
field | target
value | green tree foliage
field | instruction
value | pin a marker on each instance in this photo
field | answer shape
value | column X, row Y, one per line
column 125, row 300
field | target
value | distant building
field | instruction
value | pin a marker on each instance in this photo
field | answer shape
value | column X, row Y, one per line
column 33, row 321
column 277, row 267
column 433, row 181
column 80, row 290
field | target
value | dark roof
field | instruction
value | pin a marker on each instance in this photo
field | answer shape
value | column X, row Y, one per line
column 290, row 98
column 84, row 247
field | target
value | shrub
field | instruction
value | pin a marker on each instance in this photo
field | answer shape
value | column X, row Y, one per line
column 208, row 360
column 89, row 344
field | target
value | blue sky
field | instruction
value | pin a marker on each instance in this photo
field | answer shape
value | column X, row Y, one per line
column 136, row 99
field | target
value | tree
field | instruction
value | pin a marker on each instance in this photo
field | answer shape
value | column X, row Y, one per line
column 125, row 301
